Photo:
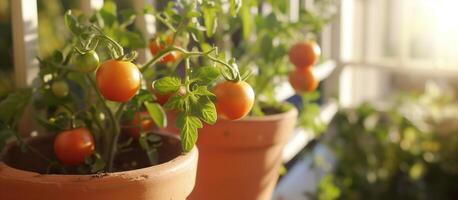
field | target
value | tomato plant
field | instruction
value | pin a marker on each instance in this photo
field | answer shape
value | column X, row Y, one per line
column 118, row 97
column 234, row 100
column 72, row 146
column 118, row 80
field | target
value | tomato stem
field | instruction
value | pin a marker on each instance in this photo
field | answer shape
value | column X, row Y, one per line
column 107, row 144
column 114, row 141
column 187, row 73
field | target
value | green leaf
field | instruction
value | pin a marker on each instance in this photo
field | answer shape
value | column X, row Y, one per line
column 235, row 7
column 175, row 102
column 57, row 56
column 205, row 110
column 108, row 13
column 207, row 74
column 14, row 105
column 209, row 13
column 149, row 9
column 188, row 126
column 247, row 19
column 203, row 91
column 193, row 13
column 157, row 114
column 167, row 84
column 72, row 23
column 128, row 39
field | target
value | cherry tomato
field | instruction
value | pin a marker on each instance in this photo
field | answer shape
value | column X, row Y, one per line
column 72, row 146
column 118, row 80
column 60, row 88
column 234, row 100
column 86, row 62
column 156, row 46
column 161, row 98
column 303, row 80
column 304, row 54
column 140, row 123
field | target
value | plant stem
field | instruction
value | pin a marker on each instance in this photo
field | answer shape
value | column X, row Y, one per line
column 187, row 73
column 114, row 141
column 156, row 59
column 107, row 145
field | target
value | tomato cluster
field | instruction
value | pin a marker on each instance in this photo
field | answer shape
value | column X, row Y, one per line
column 156, row 45
column 304, row 55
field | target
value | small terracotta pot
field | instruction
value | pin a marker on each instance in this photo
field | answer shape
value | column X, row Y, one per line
column 240, row 160
column 173, row 179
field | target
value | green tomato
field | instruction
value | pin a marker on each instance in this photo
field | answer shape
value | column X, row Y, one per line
column 86, row 62
column 60, row 88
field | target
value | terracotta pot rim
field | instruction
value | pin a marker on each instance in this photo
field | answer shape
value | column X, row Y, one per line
column 273, row 117
column 179, row 163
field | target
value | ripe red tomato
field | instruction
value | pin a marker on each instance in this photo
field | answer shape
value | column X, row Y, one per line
column 303, row 80
column 156, row 46
column 234, row 100
column 72, row 146
column 304, row 54
column 161, row 98
column 118, row 80
column 140, row 123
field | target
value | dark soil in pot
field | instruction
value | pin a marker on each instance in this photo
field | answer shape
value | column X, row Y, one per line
column 135, row 158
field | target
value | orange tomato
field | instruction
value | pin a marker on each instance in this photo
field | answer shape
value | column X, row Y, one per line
column 304, row 54
column 303, row 80
column 156, row 46
column 140, row 123
column 234, row 100
column 72, row 146
column 118, row 80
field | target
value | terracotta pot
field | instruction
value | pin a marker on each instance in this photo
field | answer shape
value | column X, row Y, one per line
column 240, row 160
column 172, row 179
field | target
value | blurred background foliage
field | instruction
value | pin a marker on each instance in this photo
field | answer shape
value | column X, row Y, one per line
column 406, row 150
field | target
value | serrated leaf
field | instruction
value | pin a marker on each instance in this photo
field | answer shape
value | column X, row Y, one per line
column 203, row 91
column 167, row 84
column 72, row 23
column 157, row 114
column 188, row 126
column 207, row 74
column 205, row 110
column 174, row 103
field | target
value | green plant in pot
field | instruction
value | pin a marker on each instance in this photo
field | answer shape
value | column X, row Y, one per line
column 241, row 159
column 98, row 115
